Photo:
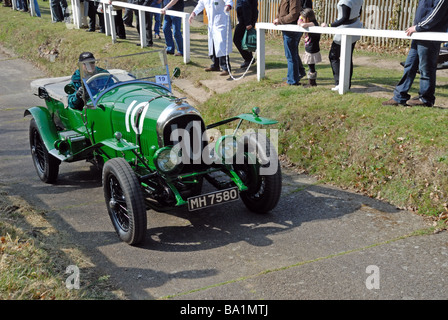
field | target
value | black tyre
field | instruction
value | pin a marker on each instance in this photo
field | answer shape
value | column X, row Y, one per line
column 47, row 166
column 261, row 173
column 124, row 200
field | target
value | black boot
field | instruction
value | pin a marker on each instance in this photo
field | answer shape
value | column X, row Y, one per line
column 311, row 80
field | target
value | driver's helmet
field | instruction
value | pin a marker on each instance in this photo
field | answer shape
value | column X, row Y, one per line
column 87, row 62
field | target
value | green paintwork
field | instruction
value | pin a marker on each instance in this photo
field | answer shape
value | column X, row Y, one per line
column 256, row 119
column 45, row 124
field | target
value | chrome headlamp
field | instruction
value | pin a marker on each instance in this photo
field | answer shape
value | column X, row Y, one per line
column 168, row 160
column 226, row 148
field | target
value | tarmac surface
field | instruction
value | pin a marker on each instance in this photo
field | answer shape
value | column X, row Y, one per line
column 320, row 242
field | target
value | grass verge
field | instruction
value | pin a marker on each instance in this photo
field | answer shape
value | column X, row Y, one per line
column 34, row 258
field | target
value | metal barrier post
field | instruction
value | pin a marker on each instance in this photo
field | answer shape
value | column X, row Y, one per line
column 76, row 11
column 261, row 56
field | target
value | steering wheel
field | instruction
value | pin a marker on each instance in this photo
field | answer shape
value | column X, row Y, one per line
column 103, row 74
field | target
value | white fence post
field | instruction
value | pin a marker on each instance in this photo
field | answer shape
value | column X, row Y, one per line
column 32, row 9
column 76, row 11
column 142, row 22
column 107, row 19
column 110, row 13
column 344, row 70
column 186, row 38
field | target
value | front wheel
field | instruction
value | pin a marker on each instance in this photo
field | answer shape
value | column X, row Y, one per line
column 124, row 200
column 261, row 173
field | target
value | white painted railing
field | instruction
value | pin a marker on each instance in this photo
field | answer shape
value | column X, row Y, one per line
column 109, row 21
column 346, row 35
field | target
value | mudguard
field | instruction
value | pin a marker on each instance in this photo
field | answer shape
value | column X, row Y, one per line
column 256, row 119
column 251, row 117
column 45, row 124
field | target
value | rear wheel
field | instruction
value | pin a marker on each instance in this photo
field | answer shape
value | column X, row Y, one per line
column 261, row 173
column 124, row 200
column 47, row 166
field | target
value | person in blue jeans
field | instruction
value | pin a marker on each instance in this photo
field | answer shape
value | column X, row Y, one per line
column 289, row 13
column 36, row 8
column 174, row 23
column 430, row 16
column 156, row 4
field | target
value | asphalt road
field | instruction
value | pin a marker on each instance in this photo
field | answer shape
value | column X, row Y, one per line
column 319, row 243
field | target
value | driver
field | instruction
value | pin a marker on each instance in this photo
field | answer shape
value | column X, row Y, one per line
column 87, row 61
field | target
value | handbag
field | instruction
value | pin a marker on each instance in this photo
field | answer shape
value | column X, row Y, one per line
column 249, row 42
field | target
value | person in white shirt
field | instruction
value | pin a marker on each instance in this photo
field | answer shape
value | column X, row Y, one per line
column 219, row 32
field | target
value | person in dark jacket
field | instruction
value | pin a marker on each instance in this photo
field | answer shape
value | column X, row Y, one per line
column 87, row 63
column 349, row 12
column 92, row 13
column 289, row 13
column 148, row 21
column 247, row 14
column 431, row 16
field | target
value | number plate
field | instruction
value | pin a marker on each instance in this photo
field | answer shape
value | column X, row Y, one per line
column 213, row 198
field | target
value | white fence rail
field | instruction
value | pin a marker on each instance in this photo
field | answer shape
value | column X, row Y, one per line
column 376, row 14
column 346, row 34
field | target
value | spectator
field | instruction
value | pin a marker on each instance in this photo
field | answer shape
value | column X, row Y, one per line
column 7, row 3
column 175, row 23
column 87, row 69
column 22, row 5
column 92, row 12
column 119, row 23
column 59, row 9
column 288, row 13
column 247, row 14
column 148, row 21
column 431, row 15
column 219, row 32
column 84, row 8
column 36, row 8
column 312, row 49
column 157, row 16
column 349, row 12
column 128, row 16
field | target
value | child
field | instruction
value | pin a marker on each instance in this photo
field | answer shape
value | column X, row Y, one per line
column 312, row 49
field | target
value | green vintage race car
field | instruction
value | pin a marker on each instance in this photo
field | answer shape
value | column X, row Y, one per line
column 154, row 149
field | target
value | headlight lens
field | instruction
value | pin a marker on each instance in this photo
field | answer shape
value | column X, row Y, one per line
column 168, row 160
column 226, row 148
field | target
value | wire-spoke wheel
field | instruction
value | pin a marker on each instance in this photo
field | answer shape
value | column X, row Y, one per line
column 47, row 166
column 124, row 200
